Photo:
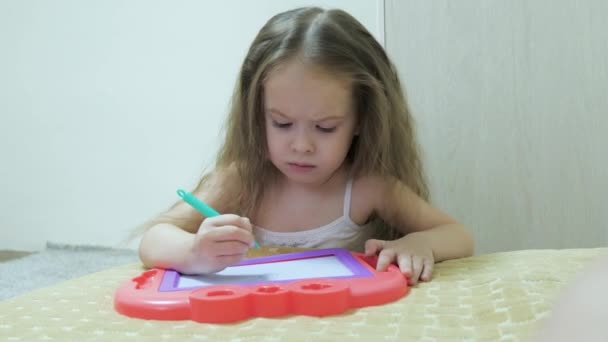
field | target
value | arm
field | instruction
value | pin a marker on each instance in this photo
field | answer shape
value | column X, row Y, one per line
column 182, row 239
column 166, row 246
column 430, row 234
column 400, row 207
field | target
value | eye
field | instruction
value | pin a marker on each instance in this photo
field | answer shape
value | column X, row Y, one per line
column 281, row 124
column 326, row 129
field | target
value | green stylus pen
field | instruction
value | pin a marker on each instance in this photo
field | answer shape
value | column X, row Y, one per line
column 199, row 205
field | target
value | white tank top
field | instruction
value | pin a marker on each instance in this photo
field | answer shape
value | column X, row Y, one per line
column 341, row 232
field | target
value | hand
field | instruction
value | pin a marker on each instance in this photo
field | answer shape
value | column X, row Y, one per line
column 412, row 254
column 221, row 241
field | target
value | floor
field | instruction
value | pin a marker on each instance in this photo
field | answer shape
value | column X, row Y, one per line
column 6, row 255
column 22, row 271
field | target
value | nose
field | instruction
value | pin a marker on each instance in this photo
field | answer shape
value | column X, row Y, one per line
column 302, row 142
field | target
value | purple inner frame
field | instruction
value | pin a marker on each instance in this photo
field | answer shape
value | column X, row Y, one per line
column 171, row 278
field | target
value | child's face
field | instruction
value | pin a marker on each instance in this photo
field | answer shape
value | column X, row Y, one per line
column 310, row 121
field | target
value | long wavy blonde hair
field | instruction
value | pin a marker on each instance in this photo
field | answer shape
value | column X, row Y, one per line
column 337, row 42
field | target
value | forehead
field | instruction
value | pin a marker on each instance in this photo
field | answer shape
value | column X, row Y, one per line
column 300, row 88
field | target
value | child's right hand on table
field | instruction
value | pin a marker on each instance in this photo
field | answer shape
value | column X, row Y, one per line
column 220, row 242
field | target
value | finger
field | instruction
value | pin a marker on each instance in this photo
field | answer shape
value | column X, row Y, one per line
column 227, row 260
column 230, row 233
column 220, row 262
column 405, row 265
column 427, row 272
column 373, row 246
column 229, row 220
column 416, row 269
column 229, row 248
column 385, row 258
column 247, row 224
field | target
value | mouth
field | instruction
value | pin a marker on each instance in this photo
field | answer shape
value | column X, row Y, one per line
column 301, row 165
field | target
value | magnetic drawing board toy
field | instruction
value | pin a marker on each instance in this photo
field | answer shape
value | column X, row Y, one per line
column 317, row 283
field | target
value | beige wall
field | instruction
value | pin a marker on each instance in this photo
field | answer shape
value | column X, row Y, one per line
column 511, row 100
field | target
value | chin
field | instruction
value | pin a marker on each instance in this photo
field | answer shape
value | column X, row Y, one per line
column 308, row 179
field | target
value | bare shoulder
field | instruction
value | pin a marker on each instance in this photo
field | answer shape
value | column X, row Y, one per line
column 394, row 202
column 370, row 191
column 366, row 192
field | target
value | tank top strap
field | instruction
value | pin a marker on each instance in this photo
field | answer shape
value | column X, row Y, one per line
column 347, row 196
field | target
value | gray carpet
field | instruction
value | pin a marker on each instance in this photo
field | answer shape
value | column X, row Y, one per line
column 57, row 263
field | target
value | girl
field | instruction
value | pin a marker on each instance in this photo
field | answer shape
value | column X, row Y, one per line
column 319, row 152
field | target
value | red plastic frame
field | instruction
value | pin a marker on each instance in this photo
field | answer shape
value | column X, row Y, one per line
column 139, row 297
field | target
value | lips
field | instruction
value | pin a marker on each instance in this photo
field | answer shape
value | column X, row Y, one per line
column 300, row 168
column 302, row 165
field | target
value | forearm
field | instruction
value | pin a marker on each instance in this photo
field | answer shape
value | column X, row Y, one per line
column 166, row 246
column 449, row 241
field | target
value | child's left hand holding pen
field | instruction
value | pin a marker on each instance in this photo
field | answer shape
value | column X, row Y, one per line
column 221, row 240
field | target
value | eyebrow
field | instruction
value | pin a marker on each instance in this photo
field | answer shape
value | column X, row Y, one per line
column 331, row 117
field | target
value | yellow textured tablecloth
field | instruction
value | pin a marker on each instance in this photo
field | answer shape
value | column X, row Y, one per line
column 486, row 297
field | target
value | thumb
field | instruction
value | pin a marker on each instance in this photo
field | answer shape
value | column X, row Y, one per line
column 373, row 246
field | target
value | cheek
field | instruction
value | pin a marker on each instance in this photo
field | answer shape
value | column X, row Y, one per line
column 273, row 142
column 268, row 131
column 348, row 136
column 341, row 145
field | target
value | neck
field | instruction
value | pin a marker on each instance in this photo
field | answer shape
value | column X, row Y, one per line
column 337, row 178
